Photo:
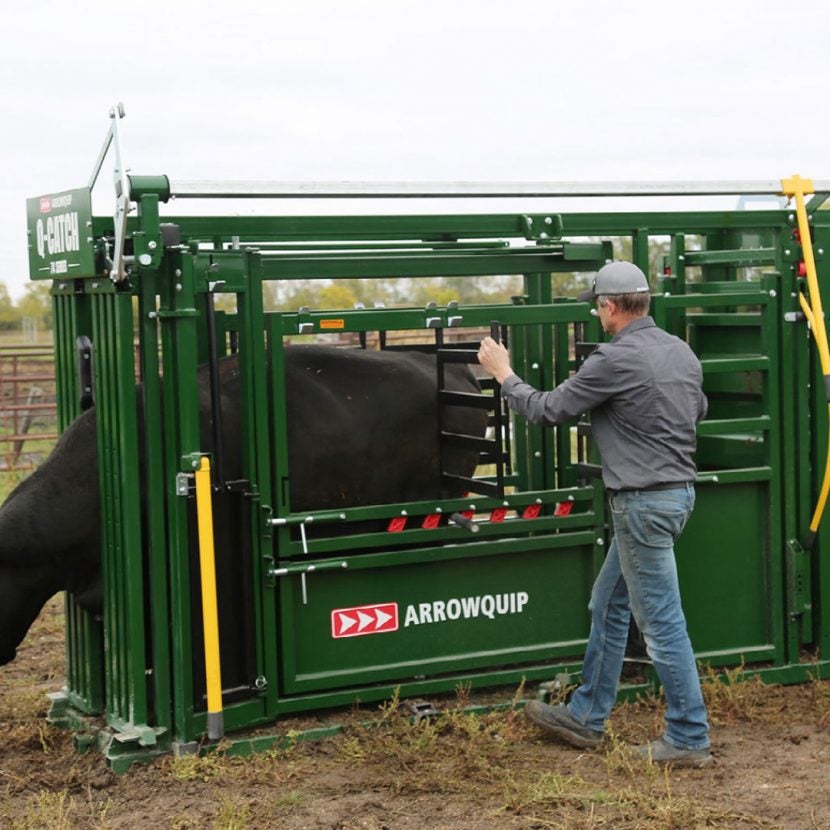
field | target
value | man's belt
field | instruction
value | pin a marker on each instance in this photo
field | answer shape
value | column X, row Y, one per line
column 668, row 485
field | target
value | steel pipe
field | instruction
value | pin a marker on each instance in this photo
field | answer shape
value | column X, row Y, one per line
column 198, row 189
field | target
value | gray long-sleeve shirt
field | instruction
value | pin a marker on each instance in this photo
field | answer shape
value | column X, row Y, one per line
column 643, row 390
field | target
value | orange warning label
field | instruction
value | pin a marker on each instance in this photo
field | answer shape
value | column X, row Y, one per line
column 333, row 323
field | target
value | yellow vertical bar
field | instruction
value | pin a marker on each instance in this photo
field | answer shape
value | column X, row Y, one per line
column 210, row 611
column 797, row 187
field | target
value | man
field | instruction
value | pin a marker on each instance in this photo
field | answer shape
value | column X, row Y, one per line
column 643, row 390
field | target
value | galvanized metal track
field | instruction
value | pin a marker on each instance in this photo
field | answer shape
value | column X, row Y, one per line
column 198, row 189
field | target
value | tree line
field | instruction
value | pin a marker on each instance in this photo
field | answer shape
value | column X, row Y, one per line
column 35, row 305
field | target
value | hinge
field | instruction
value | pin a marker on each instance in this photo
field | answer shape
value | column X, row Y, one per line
column 798, row 569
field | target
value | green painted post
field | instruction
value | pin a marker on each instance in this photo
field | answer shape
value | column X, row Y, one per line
column 177, row 318
column 158, row 585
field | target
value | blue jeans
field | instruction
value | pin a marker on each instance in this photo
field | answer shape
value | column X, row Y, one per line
column 639, row 576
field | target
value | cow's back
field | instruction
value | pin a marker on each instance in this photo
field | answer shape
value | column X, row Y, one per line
column 363, row 426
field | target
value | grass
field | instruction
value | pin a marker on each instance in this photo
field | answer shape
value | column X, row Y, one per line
column 495, row 763
column 733, row 697
column 456, row 770
column 59, row 810
column 9, row 479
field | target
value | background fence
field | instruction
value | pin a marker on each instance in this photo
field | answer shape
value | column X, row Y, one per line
column 28, row 414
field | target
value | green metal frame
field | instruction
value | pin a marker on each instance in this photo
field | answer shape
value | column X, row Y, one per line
column 752, row 593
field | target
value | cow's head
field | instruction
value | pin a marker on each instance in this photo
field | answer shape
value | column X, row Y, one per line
column 23, row 592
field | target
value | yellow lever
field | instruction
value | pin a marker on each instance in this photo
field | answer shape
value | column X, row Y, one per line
column 210, row 611
column 796, row 187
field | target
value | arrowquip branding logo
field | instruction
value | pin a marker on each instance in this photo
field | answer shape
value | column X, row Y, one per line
column 364, row 619
column 467, row 608
column 383, row 617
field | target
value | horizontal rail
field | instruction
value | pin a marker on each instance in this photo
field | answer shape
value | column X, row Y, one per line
column 26, row 407
column 240, row 189
column 28, row 437
column 9, row 378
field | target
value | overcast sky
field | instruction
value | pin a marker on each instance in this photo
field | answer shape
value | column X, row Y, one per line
column 408, row 91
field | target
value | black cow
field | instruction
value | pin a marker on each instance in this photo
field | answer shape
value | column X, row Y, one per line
column 362, row 426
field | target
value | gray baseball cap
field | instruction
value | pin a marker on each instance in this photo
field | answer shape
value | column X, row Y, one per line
column 616, row 278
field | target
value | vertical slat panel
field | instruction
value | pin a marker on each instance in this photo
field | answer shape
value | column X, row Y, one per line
column 84, row 636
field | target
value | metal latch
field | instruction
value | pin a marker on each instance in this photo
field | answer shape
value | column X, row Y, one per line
column 303, row 570
column 419, row 709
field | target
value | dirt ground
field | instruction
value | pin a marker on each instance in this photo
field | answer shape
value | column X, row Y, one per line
column 460, row 771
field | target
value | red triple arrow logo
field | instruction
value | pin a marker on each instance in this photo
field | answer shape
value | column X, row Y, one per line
column 364, row 619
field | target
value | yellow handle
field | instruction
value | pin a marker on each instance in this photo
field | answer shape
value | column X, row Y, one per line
column 210, row 611
column 797, row 187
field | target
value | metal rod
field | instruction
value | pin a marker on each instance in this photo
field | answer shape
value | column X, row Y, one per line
column 198, row 189
column 215, row 392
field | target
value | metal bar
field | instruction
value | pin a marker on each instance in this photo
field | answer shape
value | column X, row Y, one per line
column 29, row 436
column 747, row 257
column 458, row 355
column 215, row 393
column 730, row 426
column 25, row 407
column 241, row 189
column 476, row 485
column 471, row 442
column 472, row 399
column 713, row 365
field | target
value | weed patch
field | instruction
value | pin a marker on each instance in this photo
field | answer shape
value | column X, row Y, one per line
column 732, row 697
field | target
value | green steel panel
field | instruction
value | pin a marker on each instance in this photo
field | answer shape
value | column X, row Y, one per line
column 84, row 634
column 451, row 616
column 723, row 561
column 122, row 564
